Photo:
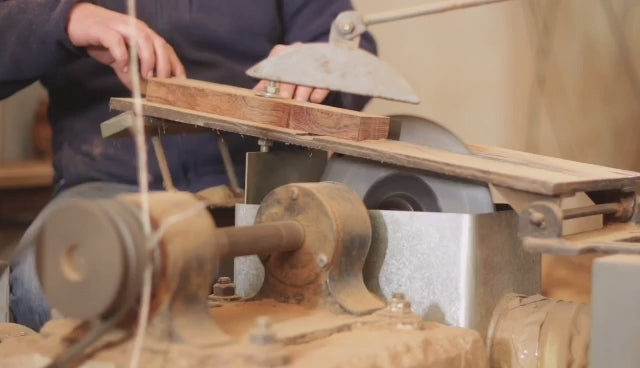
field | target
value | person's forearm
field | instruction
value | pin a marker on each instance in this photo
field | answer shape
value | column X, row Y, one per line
column 34, row 41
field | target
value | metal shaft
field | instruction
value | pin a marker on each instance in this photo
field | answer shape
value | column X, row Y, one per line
column 426, row 9
column 228, row 165
column 598, row 209
column 270, row 237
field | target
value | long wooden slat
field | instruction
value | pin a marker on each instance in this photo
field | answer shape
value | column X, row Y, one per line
column 244, row 104
column 510, row 173
column 552, row 164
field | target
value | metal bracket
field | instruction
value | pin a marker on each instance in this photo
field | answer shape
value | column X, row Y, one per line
column 328, row 269
column 540, row 227
column 347, row 29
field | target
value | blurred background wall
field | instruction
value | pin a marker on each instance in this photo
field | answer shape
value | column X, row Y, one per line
column 558, row 77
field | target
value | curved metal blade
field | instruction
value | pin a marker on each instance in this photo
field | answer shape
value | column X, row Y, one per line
column 323, row 65
column 385, row 186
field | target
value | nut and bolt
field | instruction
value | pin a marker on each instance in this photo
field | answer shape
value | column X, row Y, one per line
column 399, row 310
column 538, row 219
column 273, row 89
column 347, row 28
column 224, row 287
column 399, row 304
column 265, row 145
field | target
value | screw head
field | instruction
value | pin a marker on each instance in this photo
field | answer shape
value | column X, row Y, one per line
column 347, row 27
column 399, row 304
column 538, row 219
column 224, row 280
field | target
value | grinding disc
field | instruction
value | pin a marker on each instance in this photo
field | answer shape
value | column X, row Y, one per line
column 384, row 186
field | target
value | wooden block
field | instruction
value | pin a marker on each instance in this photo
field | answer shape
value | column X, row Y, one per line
column 244, row 104
column 326, row 121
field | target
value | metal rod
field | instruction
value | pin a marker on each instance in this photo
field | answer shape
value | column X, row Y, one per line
column 598, row 209
column 163, row 164
column 282, row 236
column 228, row 165
column 426, row 9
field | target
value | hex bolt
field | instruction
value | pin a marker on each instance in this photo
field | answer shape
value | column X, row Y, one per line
column 265, row 145
column 224, row 287
column 399, row 304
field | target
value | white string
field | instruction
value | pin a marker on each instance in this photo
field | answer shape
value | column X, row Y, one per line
column 143, row 183
column 174, row 219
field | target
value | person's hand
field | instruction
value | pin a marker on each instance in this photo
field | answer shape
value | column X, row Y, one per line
column 299, row 93
column 106, row 35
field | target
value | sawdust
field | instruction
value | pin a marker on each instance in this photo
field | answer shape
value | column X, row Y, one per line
column 365, row 342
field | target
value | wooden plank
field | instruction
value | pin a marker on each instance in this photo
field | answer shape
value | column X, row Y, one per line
column 244, row 104
column 552, row 164
column 484, row 168
column 121, row 125
column 29, row 174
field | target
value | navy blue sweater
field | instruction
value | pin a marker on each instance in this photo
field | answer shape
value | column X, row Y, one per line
column 217, row 40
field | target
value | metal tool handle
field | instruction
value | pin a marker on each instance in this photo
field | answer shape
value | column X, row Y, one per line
column 425, row 9
column 350, row 25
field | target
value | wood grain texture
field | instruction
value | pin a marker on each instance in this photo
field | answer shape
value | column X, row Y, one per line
column 30, row 174
column 512, row 171
column 244, row 104
column 547, row 163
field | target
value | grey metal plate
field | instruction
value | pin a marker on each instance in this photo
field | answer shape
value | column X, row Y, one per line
column 615, row 331
column 269, row 170
column 323, row 65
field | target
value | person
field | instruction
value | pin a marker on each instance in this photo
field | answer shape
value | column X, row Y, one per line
column 78, row 50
